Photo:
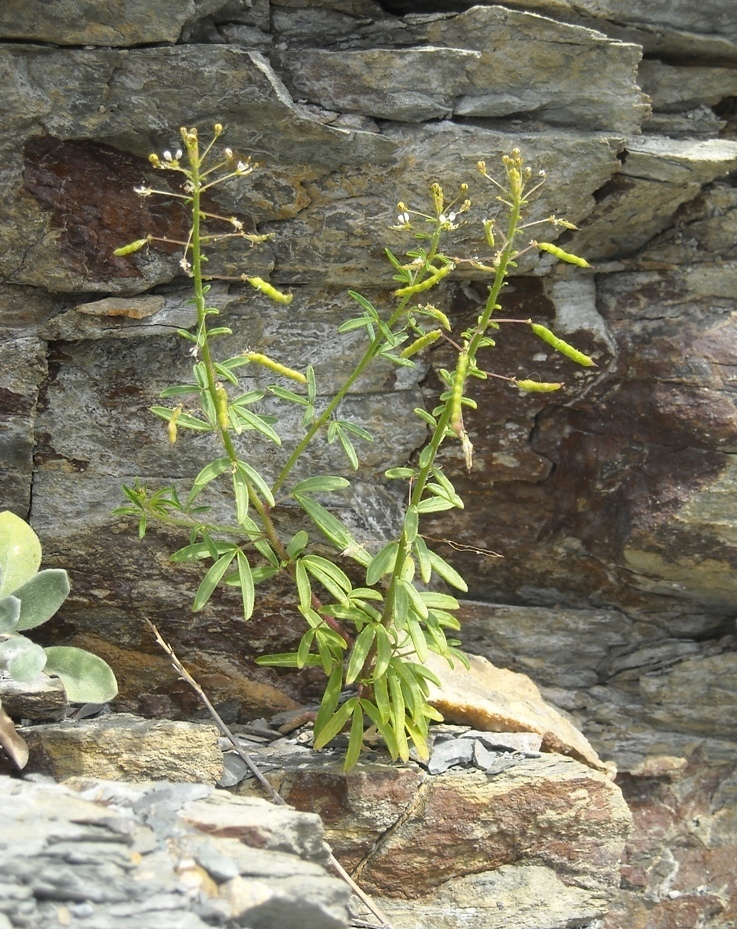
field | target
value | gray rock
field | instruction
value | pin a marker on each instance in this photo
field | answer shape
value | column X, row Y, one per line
column 447, row 754
column 567, row 75
column 85, row 22
column 408, row 85
column 99, row 859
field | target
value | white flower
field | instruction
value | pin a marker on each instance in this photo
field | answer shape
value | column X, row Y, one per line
column 167, row 156
column 403, row 219
column 143, row 191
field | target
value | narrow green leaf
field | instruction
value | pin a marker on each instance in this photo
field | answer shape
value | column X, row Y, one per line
column 418, row 638
column 434, row 505
column 415, row 598
column 426, row 417
column 311, row 385
column 303, row 586
column 240, row 492
column 357, row 430
column 423, row 560
column 211, row 580
column 297, row 544
column 253, row 477
column 182, row 390
column 410, row 524
column 404, row 473
column 284, row 394
column 246, row 584
column 330, row 697
column 362, row 301
column 382, row 563
column 420, row 670
column 303, row 651
column 446, row 571
column 258, row 423
column 321, row 484
column 350, row 451
column 418, row 740
column 385, row 731
column 398, row 714
column 358, row 322
column 359, row 653
column 287, row 660
column 331, row 527
column 334, row 725
column 186, row 421
column 435, row 600
column 225, row 372
column 381, row 696
column 355, row 741
column 330, row 575
column 401, row 605
column 383, row 651
column 207, row 474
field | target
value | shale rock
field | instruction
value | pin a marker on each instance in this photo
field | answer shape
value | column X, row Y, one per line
column 115, row 856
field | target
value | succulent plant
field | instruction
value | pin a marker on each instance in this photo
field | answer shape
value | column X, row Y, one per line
column 28, row 598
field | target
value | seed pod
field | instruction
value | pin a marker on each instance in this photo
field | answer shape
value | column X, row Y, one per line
column 456, row 399
column 563, row 347
column 563, row 256
column 276, row 367
column 437, row 198
column 538, row 386
column 171, row 426
column 131, row 247
column 221, row 405
column 427, row 283
column 427, row 339
column 276, row 295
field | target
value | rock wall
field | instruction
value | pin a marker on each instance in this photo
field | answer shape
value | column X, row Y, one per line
column 614, row 508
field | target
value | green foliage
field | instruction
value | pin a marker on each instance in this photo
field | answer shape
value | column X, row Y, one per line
column 371, row 612
column 28, row 598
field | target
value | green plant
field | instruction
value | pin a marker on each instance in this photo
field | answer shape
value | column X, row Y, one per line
column 373, row 635
column 28, row 598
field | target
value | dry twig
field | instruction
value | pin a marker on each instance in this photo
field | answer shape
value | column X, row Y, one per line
column 253, row 767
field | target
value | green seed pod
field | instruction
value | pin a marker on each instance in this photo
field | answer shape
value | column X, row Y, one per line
column 427, row 339
column 538, row 386
column 437, row 198
column 427, row 283
column 221, row 405
column 563, row 347
column 131, row 247
column 276, row 295
column 456, row 399
column 276, row 367
column 563, row 256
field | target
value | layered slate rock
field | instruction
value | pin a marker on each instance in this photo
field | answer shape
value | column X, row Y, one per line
column 175, row 855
